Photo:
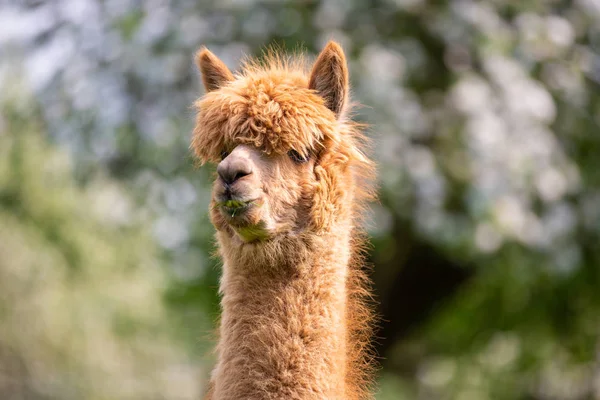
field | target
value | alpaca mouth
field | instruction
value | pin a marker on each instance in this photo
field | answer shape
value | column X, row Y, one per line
column 243, row 220
column 233, row 208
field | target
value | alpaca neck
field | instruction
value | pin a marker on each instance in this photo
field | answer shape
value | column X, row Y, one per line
column 283, row 330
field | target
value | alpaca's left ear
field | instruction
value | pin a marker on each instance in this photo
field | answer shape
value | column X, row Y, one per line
column 329, row 77
column 214, row 71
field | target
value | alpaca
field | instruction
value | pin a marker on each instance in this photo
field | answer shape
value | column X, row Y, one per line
column 290, row 188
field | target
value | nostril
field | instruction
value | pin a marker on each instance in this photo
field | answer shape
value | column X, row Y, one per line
column 240, row 174
column 232, row 170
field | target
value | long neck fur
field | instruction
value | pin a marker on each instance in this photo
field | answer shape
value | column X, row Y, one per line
column 294, row 320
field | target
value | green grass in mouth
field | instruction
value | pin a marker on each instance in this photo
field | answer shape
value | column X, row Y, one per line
column 234, row 204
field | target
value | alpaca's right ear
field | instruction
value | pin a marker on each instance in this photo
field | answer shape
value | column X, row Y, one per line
column 214, row 71
column 329, row 77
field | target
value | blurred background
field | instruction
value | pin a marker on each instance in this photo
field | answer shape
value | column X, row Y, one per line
column 485, row 120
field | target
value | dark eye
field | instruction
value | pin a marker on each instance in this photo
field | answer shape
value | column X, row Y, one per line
column 224, row 154
column 297, row 157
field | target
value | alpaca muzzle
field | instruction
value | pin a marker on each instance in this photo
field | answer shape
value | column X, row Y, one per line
column 235, row 187
column 233, row 168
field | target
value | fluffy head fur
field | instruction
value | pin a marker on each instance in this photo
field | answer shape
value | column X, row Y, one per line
column 295, row 300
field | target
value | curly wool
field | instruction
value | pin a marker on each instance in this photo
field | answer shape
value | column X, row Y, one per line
column 269, row 106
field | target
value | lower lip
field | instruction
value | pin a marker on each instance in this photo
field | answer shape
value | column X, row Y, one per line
column 236, row 210
column 233, row 212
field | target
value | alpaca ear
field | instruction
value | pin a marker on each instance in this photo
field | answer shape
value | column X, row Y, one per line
column 329, row 77
column 214, row 71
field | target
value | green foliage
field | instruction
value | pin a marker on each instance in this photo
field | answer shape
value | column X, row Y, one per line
column 81, row 284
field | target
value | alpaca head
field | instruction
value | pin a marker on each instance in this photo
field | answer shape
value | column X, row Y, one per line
column 287, row 159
